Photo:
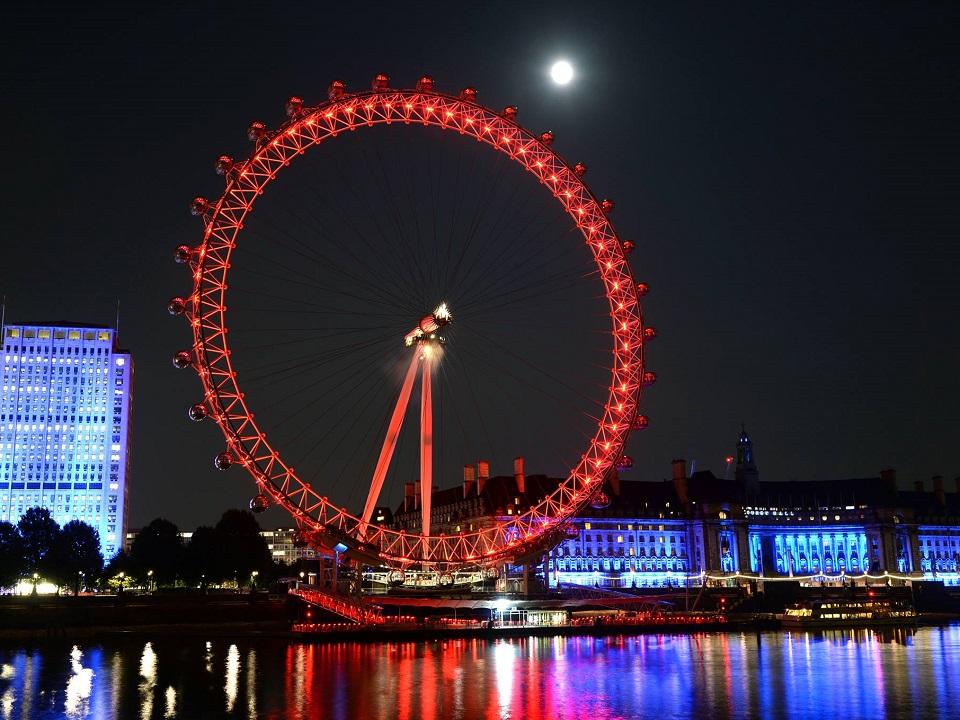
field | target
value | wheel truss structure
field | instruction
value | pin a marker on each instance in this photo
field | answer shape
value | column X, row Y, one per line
column 322, row 522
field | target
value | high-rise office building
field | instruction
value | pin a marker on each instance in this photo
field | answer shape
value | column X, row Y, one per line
column 65, row 412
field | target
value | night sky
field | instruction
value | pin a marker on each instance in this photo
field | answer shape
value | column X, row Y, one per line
column 788, row 172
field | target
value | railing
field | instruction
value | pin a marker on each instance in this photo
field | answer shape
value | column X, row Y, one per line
column 352, row 609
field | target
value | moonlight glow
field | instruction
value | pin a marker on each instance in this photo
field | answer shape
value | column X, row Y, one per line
column 561, row 72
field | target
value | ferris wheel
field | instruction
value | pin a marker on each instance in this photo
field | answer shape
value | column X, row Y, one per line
column 218, row 262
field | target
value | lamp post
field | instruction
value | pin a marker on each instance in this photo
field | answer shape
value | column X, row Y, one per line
column 253, row 580
column 36, row 576
column 149, row 580
column 80, row 577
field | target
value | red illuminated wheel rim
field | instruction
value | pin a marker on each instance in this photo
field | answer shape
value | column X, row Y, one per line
column 323, row 522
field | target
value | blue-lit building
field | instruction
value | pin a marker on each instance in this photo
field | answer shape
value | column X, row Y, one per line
column 699, row 527
column 65, row 421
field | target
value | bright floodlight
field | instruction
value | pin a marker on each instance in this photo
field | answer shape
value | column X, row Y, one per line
column 561, row 72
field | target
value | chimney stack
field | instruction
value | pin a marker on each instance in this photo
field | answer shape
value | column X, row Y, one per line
column 469, row 479
column 938, row 490
column 416, row 495
column 518, row 475
column 614, row 481
column 918, row 485
column 680, row 479
column 956, row 481
column 679, row 469
column 408, row 495
column 483, row 474
column 889, row 478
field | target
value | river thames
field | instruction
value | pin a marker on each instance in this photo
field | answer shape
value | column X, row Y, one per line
column 832, row 674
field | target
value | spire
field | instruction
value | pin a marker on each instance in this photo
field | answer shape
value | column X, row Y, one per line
column 746, row 471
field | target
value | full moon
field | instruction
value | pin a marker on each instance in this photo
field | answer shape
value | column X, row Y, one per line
column 561, row 72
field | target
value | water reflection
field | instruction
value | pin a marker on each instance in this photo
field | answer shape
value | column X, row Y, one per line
column 148, row 683
column 822, row 674
column 79, row 685
column 233, row 672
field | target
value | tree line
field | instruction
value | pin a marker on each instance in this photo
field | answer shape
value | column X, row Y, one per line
column 231, row 552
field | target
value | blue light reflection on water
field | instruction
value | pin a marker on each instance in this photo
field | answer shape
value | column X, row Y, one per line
column 850, row 674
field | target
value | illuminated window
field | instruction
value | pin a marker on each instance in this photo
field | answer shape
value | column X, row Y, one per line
column 73, row 335
column 586, row 526
column 103, row 335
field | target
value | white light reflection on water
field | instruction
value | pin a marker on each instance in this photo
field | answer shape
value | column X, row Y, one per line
column 252, row 684
column 148, row 671
column 233, row 674
column 6, row 704
column 7, row 672
column 171, row 705
column 77, row 701
column 503, row 665
column 208, row 657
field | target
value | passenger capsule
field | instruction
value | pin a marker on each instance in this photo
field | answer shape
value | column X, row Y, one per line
column 293, row 107
column 223, row 461
column 198, row 412
column 546, row 137
column 649, row 333
column 625, row 463
column 199, row 206
column 628, row 247
column 256, row 131
column 223, row 165
column 183, row 359
column 183, row 254
column 177, row 306
column 640, row 422
column 510, row 112
column 380, row 82
column 259, row 503
column 600, row 501
column 579, row 169
column 425, row 84
column 649, row 377
column 607, row 205
column 336, row 90
column 469, row 94
column 642, row 289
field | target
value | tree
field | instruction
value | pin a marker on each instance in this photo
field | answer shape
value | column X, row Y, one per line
column 76, row 555
column 158, row 547
column 13, row 565
column 38, row 532
column 119, row 572
column 242, row 547
column 202, row 562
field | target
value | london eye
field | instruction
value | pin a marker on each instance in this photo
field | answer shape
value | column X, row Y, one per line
column 390, row 281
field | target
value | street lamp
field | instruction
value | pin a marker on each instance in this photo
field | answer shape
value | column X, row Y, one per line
column 253, row 579
column 149, row 580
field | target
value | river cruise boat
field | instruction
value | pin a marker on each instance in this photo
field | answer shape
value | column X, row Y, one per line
column 849, row 612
